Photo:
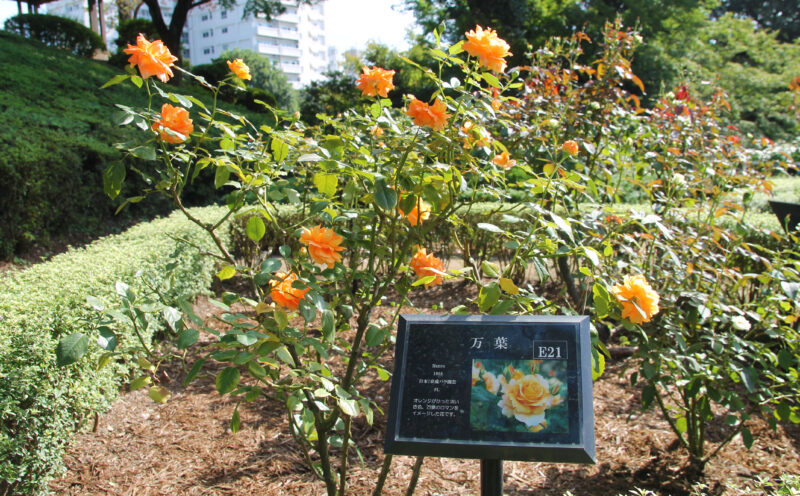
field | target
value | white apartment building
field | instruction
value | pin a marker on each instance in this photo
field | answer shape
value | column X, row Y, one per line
column 294, row 41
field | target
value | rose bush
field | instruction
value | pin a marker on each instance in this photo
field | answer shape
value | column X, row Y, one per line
column 568, row 141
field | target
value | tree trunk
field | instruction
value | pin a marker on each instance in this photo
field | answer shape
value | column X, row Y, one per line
column 101, row 18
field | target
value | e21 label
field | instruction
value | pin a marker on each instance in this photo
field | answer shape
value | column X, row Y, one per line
column 550, row 350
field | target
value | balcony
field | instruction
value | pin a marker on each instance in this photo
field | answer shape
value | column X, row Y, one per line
column 269, row 49
column 290, row 68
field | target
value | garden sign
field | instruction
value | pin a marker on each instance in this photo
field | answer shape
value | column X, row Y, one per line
column 493, row 388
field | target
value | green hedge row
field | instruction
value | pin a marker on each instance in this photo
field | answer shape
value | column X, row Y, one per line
column 57, row 32
column 42, row 405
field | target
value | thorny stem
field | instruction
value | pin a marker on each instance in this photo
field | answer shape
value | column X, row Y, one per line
column 387, row 465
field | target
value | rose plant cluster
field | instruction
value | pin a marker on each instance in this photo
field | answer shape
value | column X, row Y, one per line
column 712, row 314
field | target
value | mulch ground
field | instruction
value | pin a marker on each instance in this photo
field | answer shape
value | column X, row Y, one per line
column 186, row 447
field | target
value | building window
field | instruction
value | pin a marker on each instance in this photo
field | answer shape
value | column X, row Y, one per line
column 206, row 51
column 224, row 30
column 204, row 17
column 206, row 34
column 223, row 14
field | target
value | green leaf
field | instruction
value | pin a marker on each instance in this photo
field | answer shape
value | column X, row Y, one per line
column 227, row 380
column 95, row 303
column 489, row 227
column 562, row 224
column 221, row 176
column 186, row 338
column 327, row 325
column 235, row 421
column 159, row 394
column 107, row 339
column 334, row 145
column 256, row 370
column 226, row 273
column 375, row 336
column 280, row 150
column 113, row 177
column 423, row 280
column 648, row 395
column 490, row 269
column 649, row 370
column 749, row 378
column 349, row 407
column 598, row 365
column 488, row 296
column 747, row 438
column 140, row 382
column 385, row 196
column 270, row 265
column 491, row 79
column 71, row 348
column 137, row 81
column 255, row 228
column 592, row 255
column 307, row 310
column 601, row 300
column 326, row 183
column 115, row 80
column 196, row 367
column 144, row 152
column 680, row 424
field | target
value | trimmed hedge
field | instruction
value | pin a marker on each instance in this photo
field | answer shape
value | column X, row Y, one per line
column 42, row 405
column 57, row 32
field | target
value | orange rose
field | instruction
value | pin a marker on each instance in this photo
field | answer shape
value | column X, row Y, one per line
column 153, row 58
column 376, row 131
column 422, row 263
column 323, row 245
column 177, row 120
column 639, row 300
column 526, row 399
column 490, row 50
column 504, row 161
column 420, row 212
column 434, row 116
column 375, row 81
column 239, row 68
column 492, row 382
column 283, row 293
column 795, row 84
column 570, row 147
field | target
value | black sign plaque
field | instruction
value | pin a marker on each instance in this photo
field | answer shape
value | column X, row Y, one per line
column 492, row 387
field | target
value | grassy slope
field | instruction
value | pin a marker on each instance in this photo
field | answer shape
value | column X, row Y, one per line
column 55, row 141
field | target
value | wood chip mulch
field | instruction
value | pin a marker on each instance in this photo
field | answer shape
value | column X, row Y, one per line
column 185, row 447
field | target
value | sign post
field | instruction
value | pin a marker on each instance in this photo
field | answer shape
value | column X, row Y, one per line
column 493, row 388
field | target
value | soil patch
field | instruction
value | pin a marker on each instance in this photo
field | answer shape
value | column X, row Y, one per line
column 186, row 447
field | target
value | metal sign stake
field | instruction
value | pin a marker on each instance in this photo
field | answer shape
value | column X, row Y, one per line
column 491, row 477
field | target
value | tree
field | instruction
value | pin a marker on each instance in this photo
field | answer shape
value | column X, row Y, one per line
column 265, row 76
column 780, row 15
column 332, row 95
column 171, row 34
column 519, row 22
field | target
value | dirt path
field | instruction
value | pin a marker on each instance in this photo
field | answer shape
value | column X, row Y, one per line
column 185, row 447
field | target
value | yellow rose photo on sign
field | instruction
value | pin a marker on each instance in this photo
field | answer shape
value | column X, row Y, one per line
column 519, row 396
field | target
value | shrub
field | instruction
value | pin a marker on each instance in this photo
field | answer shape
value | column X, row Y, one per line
column 41, row 405
column 58, row 32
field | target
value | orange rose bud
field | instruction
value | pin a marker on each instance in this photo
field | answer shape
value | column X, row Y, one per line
column 422, row 263
column 434, row 116
column 153, row 58
column 570, row 147
column 376, row 131
column 490, row 50
column 375, row 81
column 323, row 245
column 238, row 67
column 283, row 293
column 504, row 161
column 177, row 120
column 639, row 300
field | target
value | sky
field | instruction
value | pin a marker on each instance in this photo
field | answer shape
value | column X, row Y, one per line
column 350, row 23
